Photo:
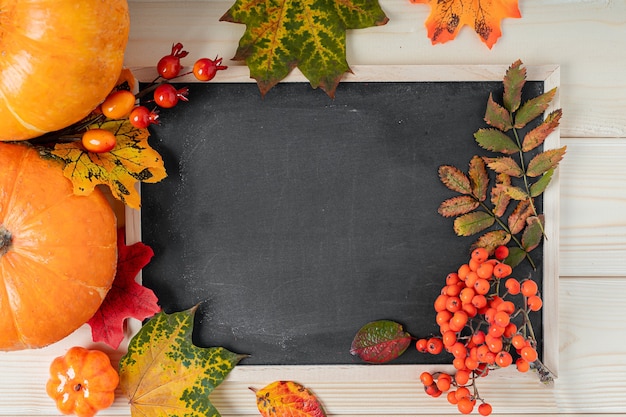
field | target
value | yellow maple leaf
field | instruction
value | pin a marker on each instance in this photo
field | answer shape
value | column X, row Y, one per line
column 131, row 161
column 447, row 17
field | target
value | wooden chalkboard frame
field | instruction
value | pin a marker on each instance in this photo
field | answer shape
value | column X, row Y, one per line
column 368, row 390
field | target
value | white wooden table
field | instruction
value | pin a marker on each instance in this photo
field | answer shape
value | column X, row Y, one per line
column 587, row 39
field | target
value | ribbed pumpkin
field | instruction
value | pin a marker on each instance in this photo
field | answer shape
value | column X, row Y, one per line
column 58, row 253
column 58, row 60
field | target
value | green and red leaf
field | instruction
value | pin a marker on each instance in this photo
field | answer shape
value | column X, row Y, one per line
column 533, row 233
column 479, row 179
column 516, row 193
column 514, row 81
column 496, row 141
column 533, row 108
column 538, row 135
column 505, row 165
column 458, row 205
column 455, row 179
column 545, row 161
column 288, row 399
column 497, row 116
column 491, row 240
column 472, row 223
column 380, row 341
column 499, row 198
column 517, row 220
column 538, row 187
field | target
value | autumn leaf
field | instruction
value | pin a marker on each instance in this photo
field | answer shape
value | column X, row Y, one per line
column 545, row 161
column 458, row 205
column 455, row 179
column 514, row 80
column 516, row 256
column 538, row 135
column 497, row 116
column 447, row 17
column 479, row 179
column 165, row 374
column 492, row 239
column 380, row 341
column 499, row 198
column 496, row 141
column 516, row 193
column 126, row 298
column 288, row 399
column 533, row 233
column 504, row 165
column 533, row 108
column 517, row 219
column 309, row 34
column 472, row 223
column 538, row 187
column 131, row 160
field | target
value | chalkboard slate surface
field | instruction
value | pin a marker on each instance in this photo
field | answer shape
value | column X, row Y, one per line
column 294, row 219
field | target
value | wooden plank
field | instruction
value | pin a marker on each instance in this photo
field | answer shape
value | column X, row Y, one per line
column 587, row 41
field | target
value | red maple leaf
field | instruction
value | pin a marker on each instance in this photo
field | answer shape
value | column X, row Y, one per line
column 447, row 17
column 126, row 298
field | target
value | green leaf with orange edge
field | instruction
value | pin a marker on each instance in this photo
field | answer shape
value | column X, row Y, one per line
column 288, row 399
column 380, row 341
column 458, row 205
column 447, row 17
column 499, row 198
column 496, row 141
column 131, row 160
column 533, row 108
column 497, row 116
column 479, row 179
column 514, row 81
column 492, row 239
column 517, row 220
column 472, row 223
column 455, row 179
column 539, row 186
column 309, row 34
column 165, row 374
column 545, row 161
column 504, row 165
column 538, row 135
column 533, row 233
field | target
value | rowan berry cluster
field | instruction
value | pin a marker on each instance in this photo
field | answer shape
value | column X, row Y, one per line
column 477, row 315
column 122, row 103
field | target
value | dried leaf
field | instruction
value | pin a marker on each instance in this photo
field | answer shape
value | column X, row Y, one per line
column 491, row 240
column 165, row 374
column 537, row 188
column 545, row 161
column 472, row 223
column 538, row 135
column 515, row 193
column 514, row 81
column 447, row 17
column 497, row 116
column 533, row 108
column 505, row 165
column 479, row 179
column 455, row 179
column 126, row 298
column 380, row 341
column 499, row 198
column 311, row 35
column 288, row 399
column 516, row 256
column 533, row 233
column 131, row 160
column 496, row 141
column 517, row 219
column 458, row 205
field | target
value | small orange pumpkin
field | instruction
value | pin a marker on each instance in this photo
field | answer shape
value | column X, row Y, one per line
column 58, row 251
column 59, row 60
column 82, row 382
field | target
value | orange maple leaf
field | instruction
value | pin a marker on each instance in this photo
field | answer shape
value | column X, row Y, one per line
column 447, row 17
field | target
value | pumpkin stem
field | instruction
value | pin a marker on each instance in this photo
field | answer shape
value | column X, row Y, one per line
column 5, row 240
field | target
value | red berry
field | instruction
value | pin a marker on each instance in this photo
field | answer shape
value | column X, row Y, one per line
column 166, row 95
column 141, row 117
column 205, row 69
column 169, row 66
column 501, row 252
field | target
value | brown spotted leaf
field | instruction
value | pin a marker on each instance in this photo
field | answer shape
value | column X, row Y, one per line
column 455, row 179
column 492, row 239
column 516, row 193
column 514, row 81
column 497, row 116
column 496, row 141
column 458, row 205
column 545, row 161
column 287, row 399
column 538, row 135
column 479, row 179
column 517, row 220
column 499, row 198
column 533, row 108
column 504, row 165
column 472, row 223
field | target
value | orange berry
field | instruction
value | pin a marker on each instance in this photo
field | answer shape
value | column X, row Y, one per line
column 426, row 378
column 471, row 278
column 481, row 353
column 434, row 345
column 503, row 359
column 452, row 290
column 480, row 254
column 465, row 405
column 502, row 319
column 495, row 330
column 462, row 377
column 481, row 286
column 479, row 301
column 495, row 301
column 510, row 330
column 421, row 345
column 518, row 341
column 474, row 264
column 458, row 321
column 458, row 363
column 432, row 390
column 528, row 353
column 452, row 278
column 529, row 288
column 440, row 302
column 506, row 306
column 522, row 365
column 485, row 270
column 448, row 338
column 443, row 382
column 490, row 315
column 462, row 392
column 534, row 303
column 467, row 294
column 458, row 350
column 470, row 309
column 513, row 286
column 485, row 409
column 463, row 271
column 452, row 397
column 494, row 344
column 502, row 270
column 443, row 317
column 471, row 363
column 453, row 304
column 478, row 337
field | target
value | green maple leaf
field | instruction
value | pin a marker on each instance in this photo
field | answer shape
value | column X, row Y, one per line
column 309, row 34
column 165, row 374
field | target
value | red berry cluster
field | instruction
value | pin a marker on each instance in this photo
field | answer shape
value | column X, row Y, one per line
column 475, row 313
column 121, row 103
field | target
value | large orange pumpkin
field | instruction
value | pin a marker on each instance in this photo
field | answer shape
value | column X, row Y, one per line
column 58, row 60
column 58, row 253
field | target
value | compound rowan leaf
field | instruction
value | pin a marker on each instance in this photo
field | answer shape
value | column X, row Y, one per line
column 288, row 399
column 165, row 374
column 514, row 81
column 497, row 116
column 538, row 135
column 447, row 17
column 458, row 205
column 496, row 141
column 545, row 161
column 472, row 223
column 455, row 179
column 309, row 34
column 380, row 341
column 126, row 298
column 533, row 108
column 131, row 160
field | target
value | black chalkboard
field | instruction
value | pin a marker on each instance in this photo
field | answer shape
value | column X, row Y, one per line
column 294, row 219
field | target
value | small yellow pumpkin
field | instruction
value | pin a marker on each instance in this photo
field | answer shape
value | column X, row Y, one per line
column 58, row 60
